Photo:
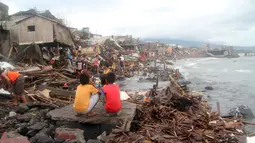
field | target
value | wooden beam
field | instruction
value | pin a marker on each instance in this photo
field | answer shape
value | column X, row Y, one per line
column 60, row 92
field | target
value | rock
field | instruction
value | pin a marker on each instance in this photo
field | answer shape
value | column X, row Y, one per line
column 22, row 108
column 33, row 109
column 41, row 138
column 23, row 130
column 48, row 131
column 60, row 141
column 12, row 114
column 13, row 134
column 25, row 117
column 13, row 137
column 242, row 111
column 38, row 126
column 31, row 133
column 102, row 136
column 20, row 125
column 72, row 135
column 209, row 88
column 94, row 141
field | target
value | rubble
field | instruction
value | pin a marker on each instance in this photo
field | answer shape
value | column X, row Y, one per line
column 173, row 116
column 170, row 115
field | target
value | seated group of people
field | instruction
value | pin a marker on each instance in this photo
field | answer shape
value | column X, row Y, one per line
column 87, row 95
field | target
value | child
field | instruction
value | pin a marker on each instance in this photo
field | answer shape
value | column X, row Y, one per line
column 112, row 95
column 86, row 96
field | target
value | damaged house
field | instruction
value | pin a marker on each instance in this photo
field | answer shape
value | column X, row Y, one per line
column 41, row 32
column 128, row 43
column 154, row 49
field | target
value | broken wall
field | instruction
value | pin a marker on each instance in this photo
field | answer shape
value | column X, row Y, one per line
column 4, row 42
column 63, row 35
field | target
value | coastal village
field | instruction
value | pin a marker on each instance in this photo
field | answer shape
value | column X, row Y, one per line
column 52, row 57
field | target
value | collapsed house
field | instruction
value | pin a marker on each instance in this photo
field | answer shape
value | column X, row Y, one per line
column 154, row 49
column 129, row 44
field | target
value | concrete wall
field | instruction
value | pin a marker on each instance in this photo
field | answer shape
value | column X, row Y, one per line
column 63, row 35
column 4, row 42
column 43, row 31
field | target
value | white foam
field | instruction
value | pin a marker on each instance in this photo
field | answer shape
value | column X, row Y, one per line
column 190, row 64
column 206, row 59
column 243, row 71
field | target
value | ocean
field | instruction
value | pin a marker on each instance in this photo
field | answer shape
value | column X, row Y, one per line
column 232, row 79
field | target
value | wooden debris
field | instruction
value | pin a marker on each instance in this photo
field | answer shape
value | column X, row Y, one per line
column 175, row 116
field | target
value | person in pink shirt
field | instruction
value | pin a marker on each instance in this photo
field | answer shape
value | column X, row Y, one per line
column 96, row 63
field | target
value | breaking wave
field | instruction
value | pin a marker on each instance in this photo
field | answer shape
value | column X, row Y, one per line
column 244, row 71
column 190, row 64
column 206, row 59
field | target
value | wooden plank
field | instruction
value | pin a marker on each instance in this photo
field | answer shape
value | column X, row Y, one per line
column 60, row 92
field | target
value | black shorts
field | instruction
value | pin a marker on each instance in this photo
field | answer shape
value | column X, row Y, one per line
column 18, row 86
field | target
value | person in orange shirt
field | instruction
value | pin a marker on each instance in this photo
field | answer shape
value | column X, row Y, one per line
column 15, row 82
column 86, row 96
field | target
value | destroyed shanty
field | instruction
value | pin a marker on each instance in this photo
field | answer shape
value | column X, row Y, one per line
column 52, row 58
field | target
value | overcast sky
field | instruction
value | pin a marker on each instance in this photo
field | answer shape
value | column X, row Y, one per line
column 219, row 21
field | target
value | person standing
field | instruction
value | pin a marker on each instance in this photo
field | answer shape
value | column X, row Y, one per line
column 16, row 83
column 122, row 66
column 96, row 64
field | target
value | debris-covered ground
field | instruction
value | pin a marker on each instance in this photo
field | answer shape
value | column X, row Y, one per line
column 174, row 116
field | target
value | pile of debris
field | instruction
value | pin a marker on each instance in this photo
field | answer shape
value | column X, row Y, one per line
column 174, row 116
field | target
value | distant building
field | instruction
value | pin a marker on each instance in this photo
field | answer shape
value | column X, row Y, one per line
column 128, row 42
column 155, row 49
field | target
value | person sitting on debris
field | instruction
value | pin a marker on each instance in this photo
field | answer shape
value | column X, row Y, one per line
column 86, row 96
column 112, row 95
column 15, row 82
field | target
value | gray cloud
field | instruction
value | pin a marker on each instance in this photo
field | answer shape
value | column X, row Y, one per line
column 221, row 21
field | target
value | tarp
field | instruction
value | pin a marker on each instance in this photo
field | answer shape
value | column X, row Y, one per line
column 5, row 65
